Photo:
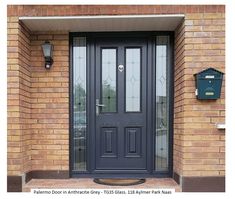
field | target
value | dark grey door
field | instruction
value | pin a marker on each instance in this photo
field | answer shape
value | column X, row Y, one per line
column 121, row 97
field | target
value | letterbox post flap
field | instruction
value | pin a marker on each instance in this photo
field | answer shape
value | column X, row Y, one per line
column 209, row 73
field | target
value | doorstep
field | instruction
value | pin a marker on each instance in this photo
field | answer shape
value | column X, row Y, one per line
column 87, row 183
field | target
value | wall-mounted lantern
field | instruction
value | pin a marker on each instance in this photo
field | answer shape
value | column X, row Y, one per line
column 208, row 84
column 47, row 49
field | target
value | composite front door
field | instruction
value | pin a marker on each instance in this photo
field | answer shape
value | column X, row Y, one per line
column 120, row 104
column 121, row 97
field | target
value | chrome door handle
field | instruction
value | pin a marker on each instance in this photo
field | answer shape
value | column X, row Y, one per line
column 98, row 105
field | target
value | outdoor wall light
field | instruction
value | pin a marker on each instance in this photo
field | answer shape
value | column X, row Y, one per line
column 47, row 49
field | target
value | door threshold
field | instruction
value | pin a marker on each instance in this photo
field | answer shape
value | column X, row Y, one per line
column 119, row 175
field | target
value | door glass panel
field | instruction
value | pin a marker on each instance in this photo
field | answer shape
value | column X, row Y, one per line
column 109, row 65
column 79, row 103
column 132, row 79
column 162, row 104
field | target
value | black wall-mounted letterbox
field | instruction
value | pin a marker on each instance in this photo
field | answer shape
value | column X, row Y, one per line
column 208, row 84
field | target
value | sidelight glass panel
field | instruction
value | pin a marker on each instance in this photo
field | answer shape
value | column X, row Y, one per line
column 109, row 65
column 79, row 103
column 133, row 79
column 162, row 104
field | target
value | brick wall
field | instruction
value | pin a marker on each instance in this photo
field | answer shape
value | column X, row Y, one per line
column 19, row 106
column 179, row 98
column 73, row 10
column 50, row 103
column 199, row 146
column 25, row 95
column 38, row 99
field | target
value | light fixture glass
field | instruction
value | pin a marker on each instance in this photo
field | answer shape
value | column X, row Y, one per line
column 47, row 49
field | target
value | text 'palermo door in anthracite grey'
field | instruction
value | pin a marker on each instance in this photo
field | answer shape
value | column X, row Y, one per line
column 121, row 80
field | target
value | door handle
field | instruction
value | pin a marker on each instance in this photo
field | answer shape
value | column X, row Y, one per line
column 98, row 105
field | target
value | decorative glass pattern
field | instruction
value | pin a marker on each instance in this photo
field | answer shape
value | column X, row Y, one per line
column 79, row 103
column 133, row 79
column 162, row 103
column 109, row 65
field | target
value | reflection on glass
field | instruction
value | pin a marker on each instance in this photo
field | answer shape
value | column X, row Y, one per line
column 132, row 79
column 162, row 101
column 79, row 103
column 109, row 66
